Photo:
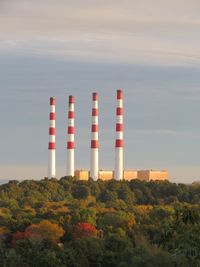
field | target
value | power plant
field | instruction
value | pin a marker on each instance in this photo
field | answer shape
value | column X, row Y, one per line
column 119, row 173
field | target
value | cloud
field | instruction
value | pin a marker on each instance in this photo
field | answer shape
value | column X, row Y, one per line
column 150, row 32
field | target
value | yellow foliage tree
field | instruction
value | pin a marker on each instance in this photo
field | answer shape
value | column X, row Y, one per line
column 47, row 230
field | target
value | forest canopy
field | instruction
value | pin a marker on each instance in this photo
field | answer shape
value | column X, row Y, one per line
column 67, row 222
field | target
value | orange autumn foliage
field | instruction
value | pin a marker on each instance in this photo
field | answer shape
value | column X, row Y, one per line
column 83, row 230
column 47, row 230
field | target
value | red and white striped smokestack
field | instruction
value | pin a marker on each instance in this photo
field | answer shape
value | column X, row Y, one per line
column 70, row 143
column 52, row 141
column 94, row 160
column 119, row 137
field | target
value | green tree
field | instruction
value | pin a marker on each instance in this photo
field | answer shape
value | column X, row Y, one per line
column 182, row 236
column 81, row 192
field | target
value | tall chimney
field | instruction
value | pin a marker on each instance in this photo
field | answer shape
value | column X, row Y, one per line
column 70, row 143
column 52, row 142
column 119, row 137
column 94, row 160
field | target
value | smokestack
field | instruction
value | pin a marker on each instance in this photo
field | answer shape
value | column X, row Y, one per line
column 52, row 142
column 94, row 160
column 70, row 143
column 119, row 137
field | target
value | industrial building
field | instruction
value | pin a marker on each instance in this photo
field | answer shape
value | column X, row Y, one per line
column 119, row 173
column 148, row 175
column 143, row 175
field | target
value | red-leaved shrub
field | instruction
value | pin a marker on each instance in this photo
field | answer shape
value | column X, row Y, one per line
column 83, row 230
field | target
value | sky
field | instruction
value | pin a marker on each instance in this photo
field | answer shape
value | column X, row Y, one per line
column 149, row 48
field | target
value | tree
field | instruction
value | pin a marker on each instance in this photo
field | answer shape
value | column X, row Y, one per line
column 34, row 253
column 47, row 230
column 126, row 194
column 110, row 222
column 88, row 215
column 81, row 192
column 20, row 236
column 108, row 196
column 3, row 233
column 182, row 236
column 89, row 250
column 83, row 230
column 118, row 251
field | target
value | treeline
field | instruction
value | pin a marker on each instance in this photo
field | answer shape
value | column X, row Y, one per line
column 105, row 223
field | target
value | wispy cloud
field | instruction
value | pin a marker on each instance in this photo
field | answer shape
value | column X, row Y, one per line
column 150, row 32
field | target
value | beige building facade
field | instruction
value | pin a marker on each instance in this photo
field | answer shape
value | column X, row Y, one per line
column 106, row 175
column 130, row 174
column 144, row 175
column 148, row 175
column 82, row 175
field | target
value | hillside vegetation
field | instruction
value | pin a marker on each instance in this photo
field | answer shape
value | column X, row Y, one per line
column 58, row 223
